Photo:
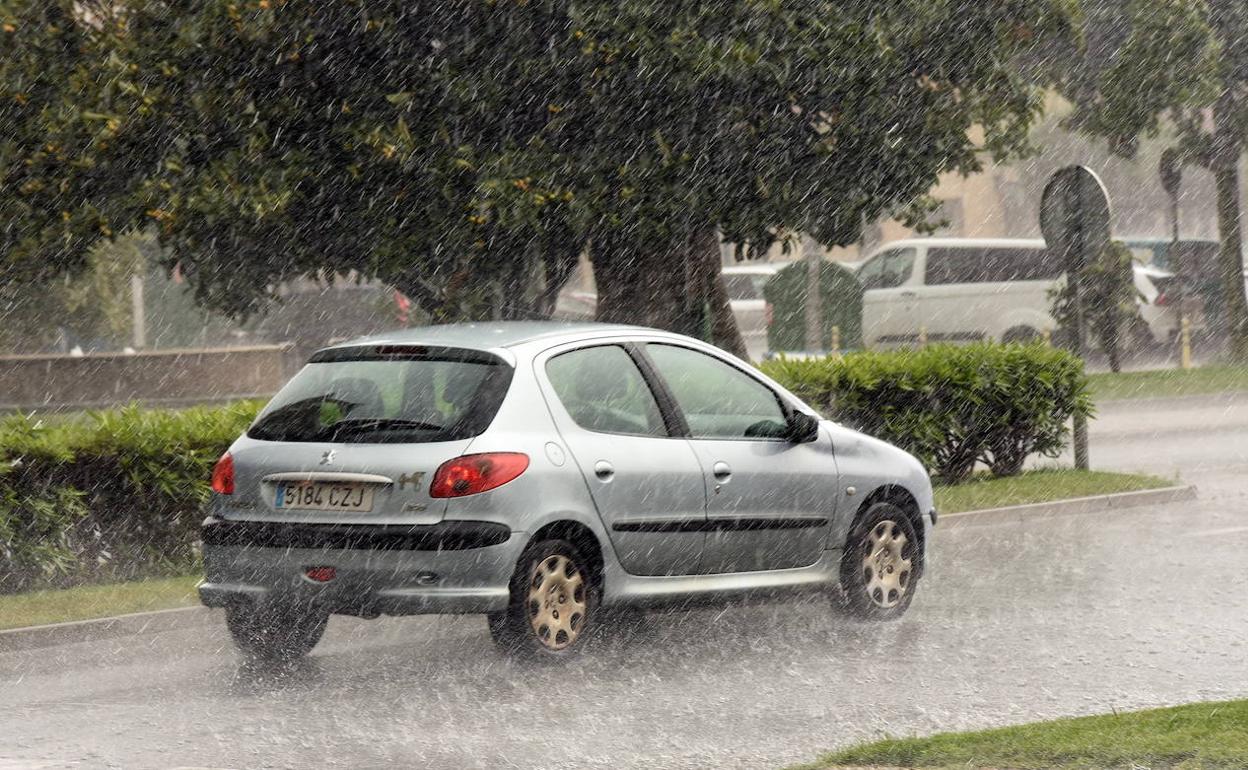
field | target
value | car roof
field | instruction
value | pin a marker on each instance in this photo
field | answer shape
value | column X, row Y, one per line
column 998, row 243
column 489, row 335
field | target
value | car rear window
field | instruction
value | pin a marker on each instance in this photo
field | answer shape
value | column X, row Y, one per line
column 387, row 395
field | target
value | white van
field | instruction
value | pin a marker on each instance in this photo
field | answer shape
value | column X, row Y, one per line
column 962, row 289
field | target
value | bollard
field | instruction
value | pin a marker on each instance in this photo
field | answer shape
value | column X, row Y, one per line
column 922, row 336
column 836, row 340
column 1185, row 333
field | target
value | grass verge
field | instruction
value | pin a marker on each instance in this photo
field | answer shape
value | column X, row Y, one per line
column 1039, row 486
column 86, row 602
column 1168, row 382
column 1199, row 736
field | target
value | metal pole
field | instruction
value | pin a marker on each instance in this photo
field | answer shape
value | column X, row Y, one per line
column 1185, row 340
column 1079, row 424
column 814, row 311
column 138, row 314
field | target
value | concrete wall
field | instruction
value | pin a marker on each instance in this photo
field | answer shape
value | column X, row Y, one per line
column 173, row 377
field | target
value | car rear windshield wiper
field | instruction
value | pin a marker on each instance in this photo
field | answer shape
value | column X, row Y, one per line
column 365, row 425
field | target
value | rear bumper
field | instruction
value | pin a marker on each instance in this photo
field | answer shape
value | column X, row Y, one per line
column 450, row 567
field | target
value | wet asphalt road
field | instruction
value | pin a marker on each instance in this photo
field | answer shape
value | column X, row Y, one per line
column 1018, row 620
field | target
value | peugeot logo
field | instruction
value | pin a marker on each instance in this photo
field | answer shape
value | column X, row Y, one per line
column 327, row 457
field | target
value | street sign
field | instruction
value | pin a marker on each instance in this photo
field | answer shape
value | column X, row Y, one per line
column 1074, row 217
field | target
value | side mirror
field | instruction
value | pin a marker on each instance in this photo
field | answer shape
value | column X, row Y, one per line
column 802, row 428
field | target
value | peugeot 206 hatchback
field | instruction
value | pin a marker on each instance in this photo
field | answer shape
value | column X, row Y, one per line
column 539, row 473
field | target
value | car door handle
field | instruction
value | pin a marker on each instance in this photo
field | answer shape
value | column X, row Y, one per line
column 604, row 470
column 909, row 294
column 721, row 471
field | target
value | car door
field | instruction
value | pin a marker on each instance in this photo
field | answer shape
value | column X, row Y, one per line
column 643, row 476
column 890, row 298
column 770, row 501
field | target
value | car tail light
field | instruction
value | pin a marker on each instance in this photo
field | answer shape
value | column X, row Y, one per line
column 321, row 574
column 768, row 314
column 1162, row 300
column 223, row 475
column 472, row 474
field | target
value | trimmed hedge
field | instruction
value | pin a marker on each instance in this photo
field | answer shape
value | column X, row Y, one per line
column 109, row 495
column 950, row 406
column 118, row 495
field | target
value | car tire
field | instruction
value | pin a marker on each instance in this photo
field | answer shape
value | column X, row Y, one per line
column 275, row 632
column 1022, row 335
column 880, row 566
column 554, row 595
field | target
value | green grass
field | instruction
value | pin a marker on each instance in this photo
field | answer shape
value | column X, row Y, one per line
column 1168, row 382
column 1039, row 486
column 85, row 602
column 1199, row 736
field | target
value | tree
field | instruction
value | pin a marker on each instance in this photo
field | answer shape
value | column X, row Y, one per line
column 1107, row 294
column 48, row 189
column 1185, row 62
column 467, row 152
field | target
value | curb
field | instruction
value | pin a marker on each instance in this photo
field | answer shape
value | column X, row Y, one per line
column 54, row 634
column 1093, row 504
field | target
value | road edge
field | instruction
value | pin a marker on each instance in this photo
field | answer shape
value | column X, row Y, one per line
column 1091, row 504
column 95, row 629
column 54, row 634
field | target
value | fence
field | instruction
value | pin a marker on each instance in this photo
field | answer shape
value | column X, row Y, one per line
column 175, row 377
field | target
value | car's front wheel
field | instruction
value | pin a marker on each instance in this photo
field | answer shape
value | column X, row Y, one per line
column 275, row 632
column 553, row 598
column 880, row 565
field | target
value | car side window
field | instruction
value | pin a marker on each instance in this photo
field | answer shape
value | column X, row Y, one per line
column 603, row 391
column 887, row 270
column 717, row 399
column 990, row 265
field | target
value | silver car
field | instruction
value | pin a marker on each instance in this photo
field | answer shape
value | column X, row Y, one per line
column 540, row 473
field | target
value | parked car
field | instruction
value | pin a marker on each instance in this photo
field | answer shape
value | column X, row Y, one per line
column 542, row 472
column 744, row 283
column 1160, row 252
column 960, row 290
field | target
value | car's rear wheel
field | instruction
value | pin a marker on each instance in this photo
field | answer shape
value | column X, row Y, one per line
column 880, row 565
column 273, row 631
column 553, row 597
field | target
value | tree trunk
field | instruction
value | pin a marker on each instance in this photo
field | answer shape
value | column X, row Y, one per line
column 814, row 297
column 715, row 306
column 679, row 289
column 1225, row 162
column 642, row 287
column 725, row 332
column 1234, row 306
column 559, row 268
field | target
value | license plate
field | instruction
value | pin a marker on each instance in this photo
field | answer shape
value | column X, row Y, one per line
column 320, row 496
